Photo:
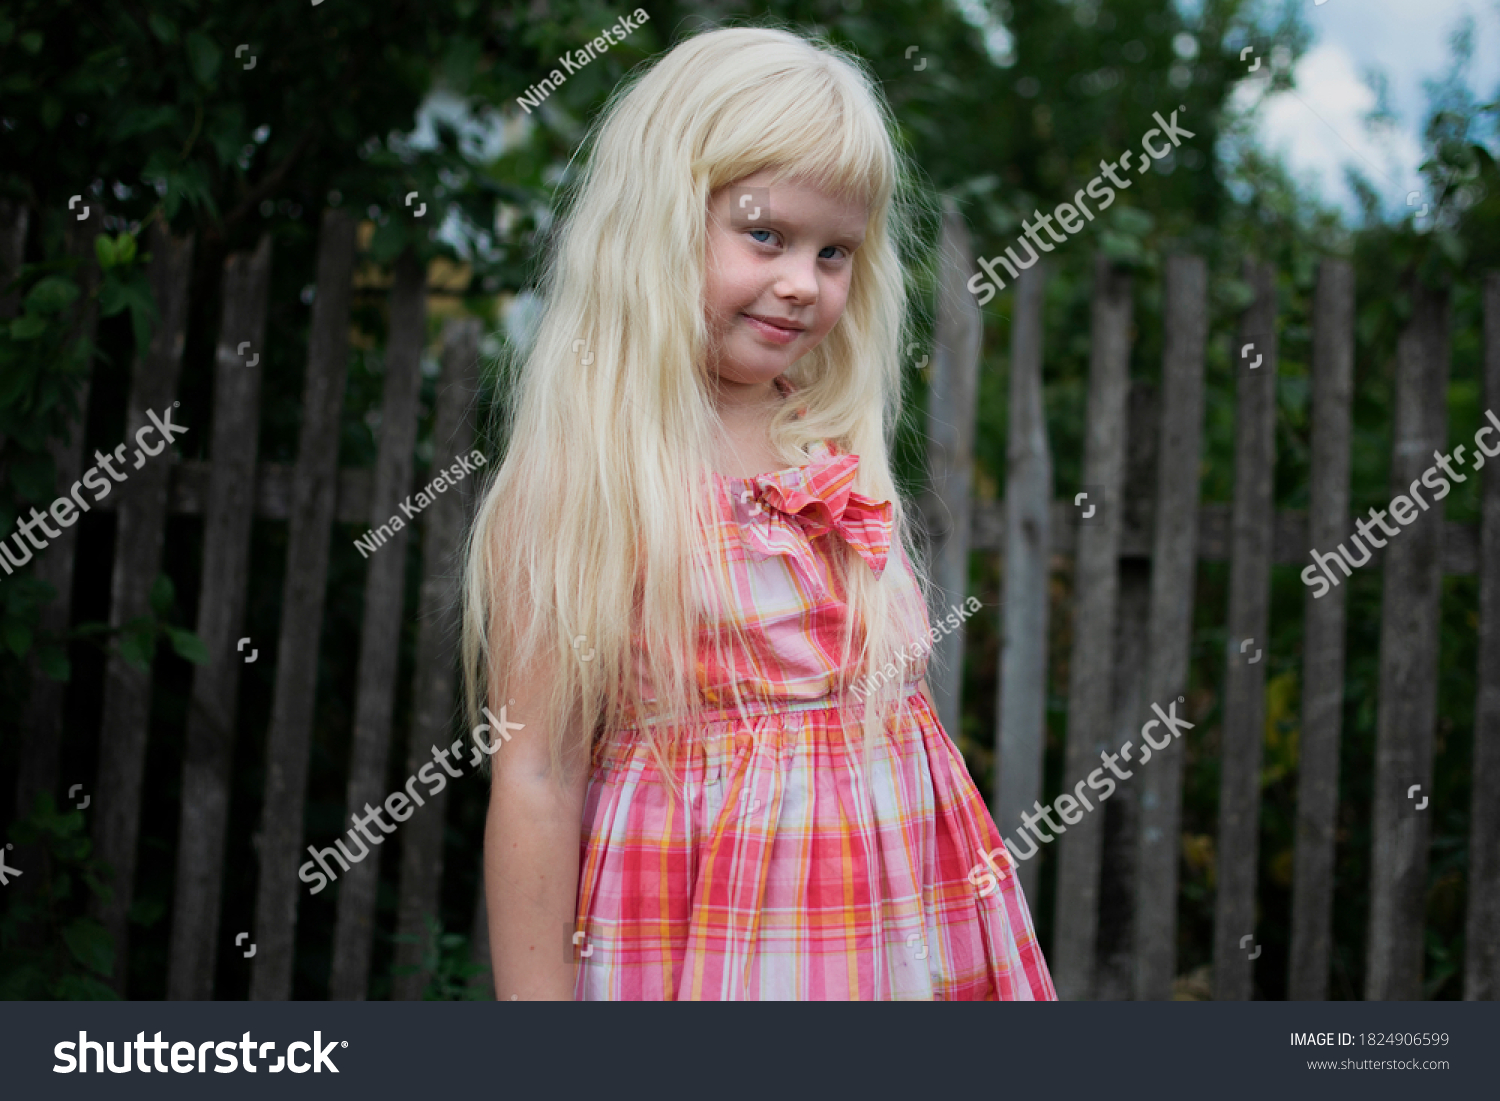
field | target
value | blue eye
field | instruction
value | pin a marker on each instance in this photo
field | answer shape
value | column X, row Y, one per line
column 760, row 240
column 826, row 248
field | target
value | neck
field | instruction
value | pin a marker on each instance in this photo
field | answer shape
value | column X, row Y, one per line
column 743, row 400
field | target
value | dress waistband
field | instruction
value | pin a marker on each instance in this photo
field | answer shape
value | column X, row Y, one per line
column 754, row 707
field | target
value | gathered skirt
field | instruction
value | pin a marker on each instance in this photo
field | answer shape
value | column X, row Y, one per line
column 784, row 872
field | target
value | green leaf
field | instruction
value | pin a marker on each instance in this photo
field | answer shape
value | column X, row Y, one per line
column 1121, row 249
column 137, row 649
column 388, row 242
column 188, row 645
column 31, row 42
column 17, row 636
column 91, row 945
column 53, row 661
column 162, row 27
column 52, row 109
column 27, row 328
column 1451, row 246
column 27, row 981
column 117, row 294
column 114, row 252
column 51, row 294
column 162, row 592
column 83, row 988
column 1133, row 220
column 140, row 120
column 147, row 911
column 203, row 56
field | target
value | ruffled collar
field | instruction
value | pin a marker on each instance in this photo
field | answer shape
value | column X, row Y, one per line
column 779, row 512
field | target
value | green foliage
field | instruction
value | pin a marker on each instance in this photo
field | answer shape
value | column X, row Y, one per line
column 447, row 959
column 50, row 949
column 136, row 640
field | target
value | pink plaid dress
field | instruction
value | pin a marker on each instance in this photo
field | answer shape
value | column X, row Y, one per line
column 784, row 874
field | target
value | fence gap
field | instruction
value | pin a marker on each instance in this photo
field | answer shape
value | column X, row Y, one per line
column 42, row 717
column 482, row 983
column 14, row 219
column 42, row 721
column 140, row 528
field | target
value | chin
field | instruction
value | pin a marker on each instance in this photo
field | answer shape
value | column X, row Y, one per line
column 755, row 368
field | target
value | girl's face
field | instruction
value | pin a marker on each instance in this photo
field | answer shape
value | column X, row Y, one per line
column 779, row 261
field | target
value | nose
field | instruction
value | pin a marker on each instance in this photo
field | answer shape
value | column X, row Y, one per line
column 797, row 279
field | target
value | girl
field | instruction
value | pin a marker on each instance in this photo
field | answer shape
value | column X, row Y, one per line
column 702, row 656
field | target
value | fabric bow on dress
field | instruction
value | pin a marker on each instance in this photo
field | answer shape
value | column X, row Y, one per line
column 813, row 500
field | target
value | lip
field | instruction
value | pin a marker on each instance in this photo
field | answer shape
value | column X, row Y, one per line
column 775, row 329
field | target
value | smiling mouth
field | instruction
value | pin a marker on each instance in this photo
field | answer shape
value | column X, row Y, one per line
column 774, row 328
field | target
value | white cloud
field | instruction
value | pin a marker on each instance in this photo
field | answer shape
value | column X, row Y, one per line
column 1321, row 128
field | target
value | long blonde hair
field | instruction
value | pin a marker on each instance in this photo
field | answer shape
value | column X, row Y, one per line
column 581, row 558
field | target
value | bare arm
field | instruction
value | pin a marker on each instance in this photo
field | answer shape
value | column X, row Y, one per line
column 531, row 840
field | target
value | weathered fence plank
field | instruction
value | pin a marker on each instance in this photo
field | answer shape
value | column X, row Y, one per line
column 434, row 680
column 1091, row 672
column 1323, row 634
column 380, row 636
column 1482, row 958
column 208, row 755
column 280, row 836
column 139, row 533
column 1409, row 617
column 948, row 502
column 1174, row 554
column 1249, row 617
column 1115, row 948
column 1022, row 707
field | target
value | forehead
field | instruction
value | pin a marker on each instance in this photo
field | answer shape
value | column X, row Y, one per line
column 797, row 199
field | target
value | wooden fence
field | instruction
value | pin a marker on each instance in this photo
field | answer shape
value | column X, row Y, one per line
column 227, row 492
column 1134, row 563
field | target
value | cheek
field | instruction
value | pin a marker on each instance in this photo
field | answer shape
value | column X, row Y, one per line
column 835, row 297
column 722, row 289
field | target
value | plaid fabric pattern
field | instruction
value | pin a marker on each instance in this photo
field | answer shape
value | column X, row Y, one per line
column 785, row 873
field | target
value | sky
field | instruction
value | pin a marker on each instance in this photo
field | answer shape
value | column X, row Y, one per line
column 1319, row 127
